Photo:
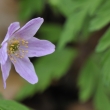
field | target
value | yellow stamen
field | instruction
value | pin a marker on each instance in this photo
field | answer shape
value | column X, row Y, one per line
column 15, row 50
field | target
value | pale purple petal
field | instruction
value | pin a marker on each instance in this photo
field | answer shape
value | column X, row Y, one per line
column 3, row 53
column 37, row 48
column 29, row 29
column 26, row 70
column 5, row 71
column 11, row 29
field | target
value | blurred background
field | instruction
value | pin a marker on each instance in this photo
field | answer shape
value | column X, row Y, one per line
column 77, row 75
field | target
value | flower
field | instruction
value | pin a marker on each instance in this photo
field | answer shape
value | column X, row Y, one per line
column 18, row 45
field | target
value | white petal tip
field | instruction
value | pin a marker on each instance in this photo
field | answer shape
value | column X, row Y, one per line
column 34, row 81
column 40, row 19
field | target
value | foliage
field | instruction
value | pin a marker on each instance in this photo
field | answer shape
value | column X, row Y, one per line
column 94, row 81
column 71, row 29
column 11, row 105
column 28, row 8
column 52, row 67
column 81, row 18
column 104, row 42
column 88, row 79
column 50, row 31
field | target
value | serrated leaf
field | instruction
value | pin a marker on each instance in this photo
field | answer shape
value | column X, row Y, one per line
column 102, row 17
column 50, row 32
column 71, row 28
column 48, row 68
column 11, row 105
column 104, row 42
column 87, row 80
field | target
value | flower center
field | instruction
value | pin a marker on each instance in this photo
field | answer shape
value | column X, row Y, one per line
column 17, row 48
column 13, row 46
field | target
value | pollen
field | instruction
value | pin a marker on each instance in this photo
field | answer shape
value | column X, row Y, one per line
column 13, row 46
column 17, row 48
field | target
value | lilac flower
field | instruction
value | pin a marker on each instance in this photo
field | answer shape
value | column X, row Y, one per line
column 18, row 45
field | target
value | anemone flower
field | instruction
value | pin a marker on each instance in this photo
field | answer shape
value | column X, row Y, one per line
column 18, row 45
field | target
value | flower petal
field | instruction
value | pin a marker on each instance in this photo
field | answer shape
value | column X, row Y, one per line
column 26, row 70
column 3, row 53
column 29, row 29
column 11, row 29
column 5, row 71
column 37, row 48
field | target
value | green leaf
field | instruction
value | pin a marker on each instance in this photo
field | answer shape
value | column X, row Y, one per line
column 104, row 42
column 50, row 32
column 11, row 105
column 53, row 2
column 25, row 10
column 38, row 5
column 28, row 8
column 106, row 68
column 27, row 91
column 67, row 7
column 71, row 28
column 102, row 17
column 48, row 68
column 104, row 56
column 87, row 79
column 94, row 6
column 101, row 100
column 84, row 33
column 55, row 65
